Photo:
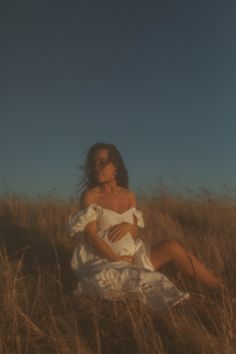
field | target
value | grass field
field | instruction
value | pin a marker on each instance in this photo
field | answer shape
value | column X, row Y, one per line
column 40, row 314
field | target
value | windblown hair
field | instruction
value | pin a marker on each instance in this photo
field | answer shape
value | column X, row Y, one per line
column 88, row 179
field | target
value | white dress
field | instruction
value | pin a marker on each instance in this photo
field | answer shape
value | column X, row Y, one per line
column 111, row 280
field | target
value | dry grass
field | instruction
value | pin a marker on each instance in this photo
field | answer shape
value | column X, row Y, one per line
column 40, row 314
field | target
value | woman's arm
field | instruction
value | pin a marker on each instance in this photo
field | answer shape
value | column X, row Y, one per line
column 120, row 230
column 134, row 227
column 92, row 237
column 102, row 247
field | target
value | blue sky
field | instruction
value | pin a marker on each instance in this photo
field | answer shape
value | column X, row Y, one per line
column 156, row 78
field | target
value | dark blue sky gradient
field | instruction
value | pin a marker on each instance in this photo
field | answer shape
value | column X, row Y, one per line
column 156, row 78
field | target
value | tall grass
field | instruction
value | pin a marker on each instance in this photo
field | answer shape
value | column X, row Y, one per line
column 40, row 314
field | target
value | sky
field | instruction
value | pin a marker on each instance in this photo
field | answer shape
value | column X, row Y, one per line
column 155, row 78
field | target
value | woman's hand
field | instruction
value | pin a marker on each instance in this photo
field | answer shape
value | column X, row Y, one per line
column 118, row 231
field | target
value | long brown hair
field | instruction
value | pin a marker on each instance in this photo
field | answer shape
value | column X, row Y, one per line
column 88, row 178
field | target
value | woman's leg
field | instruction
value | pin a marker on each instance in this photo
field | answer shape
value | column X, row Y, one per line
column 170, row 250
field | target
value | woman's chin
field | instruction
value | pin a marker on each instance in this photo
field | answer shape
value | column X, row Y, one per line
column 102, row 179
column 99, row 178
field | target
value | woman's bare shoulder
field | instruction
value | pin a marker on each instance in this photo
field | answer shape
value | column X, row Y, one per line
column 130, row 195
column 88, row 196
column 132, row 198
column 91, row 195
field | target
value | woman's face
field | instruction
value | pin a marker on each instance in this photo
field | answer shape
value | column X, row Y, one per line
column 104, row 169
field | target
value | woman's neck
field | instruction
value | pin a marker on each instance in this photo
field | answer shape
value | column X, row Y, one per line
column 109, row 187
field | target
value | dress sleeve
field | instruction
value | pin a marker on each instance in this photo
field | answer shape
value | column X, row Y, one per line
column 139, row 216
column 78, row 222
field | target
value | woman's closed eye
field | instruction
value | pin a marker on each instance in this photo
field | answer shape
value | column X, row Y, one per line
column 101, row 163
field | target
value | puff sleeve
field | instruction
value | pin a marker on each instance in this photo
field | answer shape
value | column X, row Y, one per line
column 139, row 216
column 78, row 222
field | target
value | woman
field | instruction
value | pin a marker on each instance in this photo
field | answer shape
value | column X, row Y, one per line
column 109, row 259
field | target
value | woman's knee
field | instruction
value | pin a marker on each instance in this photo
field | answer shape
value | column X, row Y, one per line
column 168, row 246
column 173, row 246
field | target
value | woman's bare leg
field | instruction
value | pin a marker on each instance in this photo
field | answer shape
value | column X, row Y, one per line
column 171, row 250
